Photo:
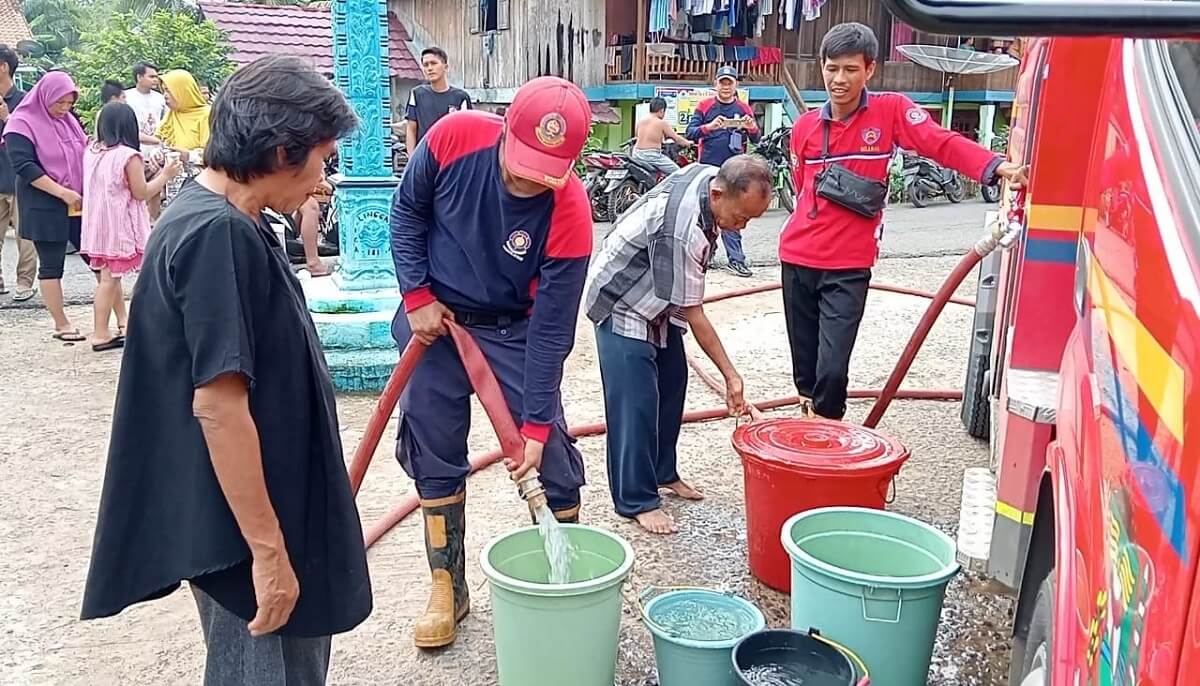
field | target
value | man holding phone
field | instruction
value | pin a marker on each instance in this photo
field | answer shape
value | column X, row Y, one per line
column 722, row 125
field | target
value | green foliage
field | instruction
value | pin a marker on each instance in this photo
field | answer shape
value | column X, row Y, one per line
column 591, row 145
column 57, row 24
column 168, row 39
column 1000, row 139
column 896, row 191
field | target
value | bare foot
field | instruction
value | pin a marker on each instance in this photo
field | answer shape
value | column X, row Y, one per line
column 683, row 490
column 656, row 522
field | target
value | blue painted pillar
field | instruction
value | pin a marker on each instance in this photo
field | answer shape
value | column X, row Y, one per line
column 363, row 192
column 353, row 308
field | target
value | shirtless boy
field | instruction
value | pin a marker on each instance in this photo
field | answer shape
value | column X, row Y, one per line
column 651, row 132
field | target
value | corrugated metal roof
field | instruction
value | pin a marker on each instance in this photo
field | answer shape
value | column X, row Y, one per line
column 13, row 27
column 257, row 30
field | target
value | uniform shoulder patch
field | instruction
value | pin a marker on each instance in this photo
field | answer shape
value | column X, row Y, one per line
column 916, row 115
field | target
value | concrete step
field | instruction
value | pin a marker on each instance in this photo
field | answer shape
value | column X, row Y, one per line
column 361, row 370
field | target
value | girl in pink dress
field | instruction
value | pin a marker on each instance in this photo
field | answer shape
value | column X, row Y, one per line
column 116, row 222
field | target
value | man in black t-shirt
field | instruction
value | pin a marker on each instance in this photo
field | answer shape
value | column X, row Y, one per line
column 225, row 465
column 429, row 103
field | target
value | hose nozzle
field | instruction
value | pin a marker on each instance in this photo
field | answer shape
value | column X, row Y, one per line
column 531, row 490
column 1001, row 234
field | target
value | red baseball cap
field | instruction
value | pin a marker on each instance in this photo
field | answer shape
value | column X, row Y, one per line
column 546, row 128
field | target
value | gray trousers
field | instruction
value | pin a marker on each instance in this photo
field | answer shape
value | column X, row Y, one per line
column 237, row 659
column 656, row 159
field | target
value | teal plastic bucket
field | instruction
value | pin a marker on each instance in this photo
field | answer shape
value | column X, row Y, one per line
column 553, row 634
column 695, row 630
column 873, row 581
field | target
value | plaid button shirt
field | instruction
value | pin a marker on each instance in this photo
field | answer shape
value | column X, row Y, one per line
column 652, row 264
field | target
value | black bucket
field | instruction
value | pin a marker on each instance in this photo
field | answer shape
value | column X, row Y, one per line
column 785, row 657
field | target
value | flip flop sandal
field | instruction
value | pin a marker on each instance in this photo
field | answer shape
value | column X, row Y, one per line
column 23, row 294
column 68, row 336
column 114, row 343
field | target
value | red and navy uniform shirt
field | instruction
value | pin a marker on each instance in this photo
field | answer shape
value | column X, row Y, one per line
column 714, row 142
column 458, row 236
column 837, row 238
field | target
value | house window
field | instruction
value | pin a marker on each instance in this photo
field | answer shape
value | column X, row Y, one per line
column 488, row 15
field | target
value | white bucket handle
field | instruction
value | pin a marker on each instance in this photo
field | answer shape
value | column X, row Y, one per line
column 868, row 593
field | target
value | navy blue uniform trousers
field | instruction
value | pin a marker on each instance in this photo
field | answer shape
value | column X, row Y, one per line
column 644, row 390
column 435, row 415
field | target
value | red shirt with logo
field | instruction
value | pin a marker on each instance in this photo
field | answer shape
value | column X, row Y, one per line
column 837, row 238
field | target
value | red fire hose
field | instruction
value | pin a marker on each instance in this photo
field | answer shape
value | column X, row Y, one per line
column 486, row 387
column 964, row 267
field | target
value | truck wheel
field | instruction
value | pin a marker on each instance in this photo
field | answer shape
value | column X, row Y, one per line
column 976, row 409
column 1035, row 668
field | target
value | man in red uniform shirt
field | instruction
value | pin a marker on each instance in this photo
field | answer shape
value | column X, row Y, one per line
column 830, row 243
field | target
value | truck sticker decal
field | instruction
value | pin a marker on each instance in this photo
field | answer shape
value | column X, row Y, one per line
column 1152, row 477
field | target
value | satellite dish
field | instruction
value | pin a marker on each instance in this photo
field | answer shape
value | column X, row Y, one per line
column 957, row 60
column 30, row 48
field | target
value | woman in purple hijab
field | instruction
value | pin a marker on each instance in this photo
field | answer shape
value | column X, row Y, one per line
column 45, row 143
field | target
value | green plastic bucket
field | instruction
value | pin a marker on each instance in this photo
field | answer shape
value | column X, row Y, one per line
column 695, row 630
column 873, row 581
column 553, row 634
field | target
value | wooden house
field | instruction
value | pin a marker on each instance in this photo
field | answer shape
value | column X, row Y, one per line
column 614, row 51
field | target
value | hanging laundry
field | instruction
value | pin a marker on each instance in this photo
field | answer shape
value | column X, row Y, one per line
column 660, row 18
column 812, row 9
column 787, row 14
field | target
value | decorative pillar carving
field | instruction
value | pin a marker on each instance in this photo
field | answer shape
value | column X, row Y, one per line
column 364, row 183
column 353, row 309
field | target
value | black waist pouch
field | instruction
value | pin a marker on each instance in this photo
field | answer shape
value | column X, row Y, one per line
column 841, row 186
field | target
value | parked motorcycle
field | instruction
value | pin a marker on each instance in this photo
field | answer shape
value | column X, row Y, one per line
column 990, row 194
column 925, row 180
column 630, row 179
column 775, row 148
column 595, row 165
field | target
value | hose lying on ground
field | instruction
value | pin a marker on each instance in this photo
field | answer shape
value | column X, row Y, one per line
column 479, row 373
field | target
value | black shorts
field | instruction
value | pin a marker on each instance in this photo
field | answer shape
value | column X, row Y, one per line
column 51, row 257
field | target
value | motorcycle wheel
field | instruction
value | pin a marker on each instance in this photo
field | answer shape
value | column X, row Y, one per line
column 955, row 191
column 990, row 194
column 598, row 202
column 622, row 198
column 787, row 194
column 917, row 195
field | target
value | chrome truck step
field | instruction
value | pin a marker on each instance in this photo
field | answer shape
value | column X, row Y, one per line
column 977, row 514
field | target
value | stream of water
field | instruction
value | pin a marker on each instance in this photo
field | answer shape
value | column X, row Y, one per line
column 559, row 550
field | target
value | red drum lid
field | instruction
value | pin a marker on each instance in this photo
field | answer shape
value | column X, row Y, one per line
column 817, row 445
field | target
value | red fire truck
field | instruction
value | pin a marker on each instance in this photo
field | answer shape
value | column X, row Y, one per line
column 1086, row 348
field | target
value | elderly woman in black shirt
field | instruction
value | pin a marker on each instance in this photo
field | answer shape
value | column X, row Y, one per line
column 225, row 467
column 45, row 144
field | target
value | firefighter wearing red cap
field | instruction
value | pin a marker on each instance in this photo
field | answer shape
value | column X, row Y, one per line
column 491, row 228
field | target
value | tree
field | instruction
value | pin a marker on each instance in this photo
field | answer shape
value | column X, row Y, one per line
column 56, row 24
column 167, row 39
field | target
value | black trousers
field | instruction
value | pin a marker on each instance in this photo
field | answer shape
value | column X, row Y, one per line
column 823, row 309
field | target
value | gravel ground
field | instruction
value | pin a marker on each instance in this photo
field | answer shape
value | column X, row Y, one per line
column 56, row 404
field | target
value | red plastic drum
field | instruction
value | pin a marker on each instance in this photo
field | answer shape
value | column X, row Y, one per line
column 793, row 465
